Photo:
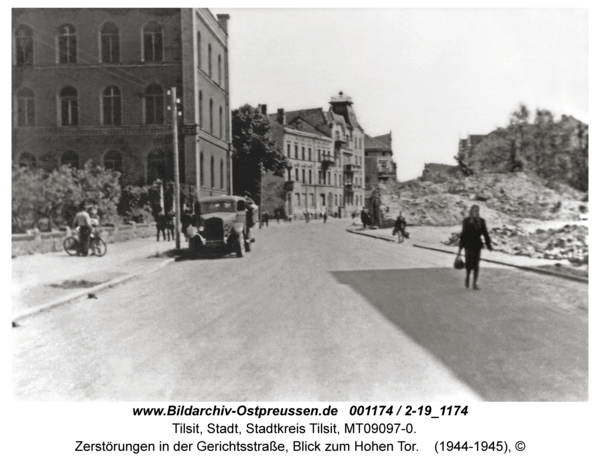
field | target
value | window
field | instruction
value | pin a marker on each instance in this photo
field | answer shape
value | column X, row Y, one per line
column 328, row 178
column 336, row 201
column 319, row 155
column 27, row 160
column 69, row 110
column 113, row 161
column 310, row 176
column 209, row 60
column 199, row 50
column 153, row 42
column 211, row 116
column 219, row 71
column 24, row 43
column 221, row 122
column 303, row 175
column 297, row 176
column 201, row 169
column 296, row 151
column 303, row 153
column 156, row 166
column 109, row 43
column 312, row 200
column 298, row 199
column 67, row 44
column 212, row 171
column 111, row 106
column 71, row 159
column 289, row 175
column 200, row 109
column 154, row 105
column 289, row 152
column 25, row 108
column 222, row 177
column 310, row 154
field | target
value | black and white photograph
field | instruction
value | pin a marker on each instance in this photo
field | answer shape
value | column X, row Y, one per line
column 264, row 205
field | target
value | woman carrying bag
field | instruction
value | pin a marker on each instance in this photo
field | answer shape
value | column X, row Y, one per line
column 470, row 239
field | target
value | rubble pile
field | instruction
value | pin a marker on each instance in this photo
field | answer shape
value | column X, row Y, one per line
column 502, row 198
column 569, row 242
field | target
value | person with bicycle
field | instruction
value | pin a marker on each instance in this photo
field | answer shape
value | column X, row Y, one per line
column 83, row 223
column 399, row 228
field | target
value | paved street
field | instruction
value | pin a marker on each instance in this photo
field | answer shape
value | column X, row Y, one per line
column 313, row 313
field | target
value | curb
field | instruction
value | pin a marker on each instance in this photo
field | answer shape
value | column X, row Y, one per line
column 384, row 238
column 84, row 292
column 520, row 267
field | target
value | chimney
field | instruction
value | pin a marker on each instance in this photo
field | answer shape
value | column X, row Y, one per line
column 223, row 19
column 281, row 116
column 263, row 109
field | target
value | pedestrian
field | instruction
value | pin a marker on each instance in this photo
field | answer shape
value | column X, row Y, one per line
column 266, row 218
column 161, row 224
column 470, row 239
column 353, row 217
column 170, row 225
column 186, row 220
column 399, row 227
column 277, row 215
column 364, row 218
column 325, row 217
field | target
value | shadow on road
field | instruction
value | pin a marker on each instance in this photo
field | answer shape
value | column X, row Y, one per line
column 521, row 338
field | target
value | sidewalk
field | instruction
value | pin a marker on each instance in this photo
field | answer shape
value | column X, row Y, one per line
column 44, row 280
column 432, row 237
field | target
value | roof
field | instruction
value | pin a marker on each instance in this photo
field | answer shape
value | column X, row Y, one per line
column 385, row 139
column 314, row 116
column 375, row 144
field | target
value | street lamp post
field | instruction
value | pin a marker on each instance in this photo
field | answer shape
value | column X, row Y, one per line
column 174, row 113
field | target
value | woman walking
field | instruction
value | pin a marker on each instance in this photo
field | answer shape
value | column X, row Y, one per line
column 470, row 239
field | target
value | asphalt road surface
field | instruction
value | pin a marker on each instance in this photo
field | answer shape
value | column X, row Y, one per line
column 313, row 313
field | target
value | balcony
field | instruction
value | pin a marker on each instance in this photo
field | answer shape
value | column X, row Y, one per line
column 340, row 144
column 352, row 168
column 349, row 187
column 327, row 160
column 385, row 173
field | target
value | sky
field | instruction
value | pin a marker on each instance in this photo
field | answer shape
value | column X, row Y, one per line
column 430, row 76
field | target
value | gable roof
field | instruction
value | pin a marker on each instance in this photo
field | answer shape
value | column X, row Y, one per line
column 375, row 144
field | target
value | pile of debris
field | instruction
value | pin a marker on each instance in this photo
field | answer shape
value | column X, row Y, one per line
column 502, row 198
column 569, row 242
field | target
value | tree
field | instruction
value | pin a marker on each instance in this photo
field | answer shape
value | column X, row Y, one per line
column 253, row 144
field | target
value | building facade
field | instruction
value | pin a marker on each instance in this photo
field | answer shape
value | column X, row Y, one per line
column 379, row 165
column 325, row 152
column 93, row 84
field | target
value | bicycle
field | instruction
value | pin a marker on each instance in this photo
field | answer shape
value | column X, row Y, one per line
column 97, row 245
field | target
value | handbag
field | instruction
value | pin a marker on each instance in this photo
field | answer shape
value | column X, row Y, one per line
column 459, row 264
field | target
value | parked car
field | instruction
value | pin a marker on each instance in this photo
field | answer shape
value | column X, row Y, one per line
column 222, row 224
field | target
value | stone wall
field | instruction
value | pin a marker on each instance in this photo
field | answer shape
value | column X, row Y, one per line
column 38, row 243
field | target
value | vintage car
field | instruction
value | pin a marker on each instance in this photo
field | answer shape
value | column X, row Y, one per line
column 222, row 224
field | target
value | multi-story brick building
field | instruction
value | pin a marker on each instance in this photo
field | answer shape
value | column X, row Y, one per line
column 325, row 151
column 92, row 84
column 379, row 165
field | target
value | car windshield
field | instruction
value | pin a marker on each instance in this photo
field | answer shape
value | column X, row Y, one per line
column 217, row 206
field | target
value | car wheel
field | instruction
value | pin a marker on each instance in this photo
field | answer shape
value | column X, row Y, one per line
column 239, row 246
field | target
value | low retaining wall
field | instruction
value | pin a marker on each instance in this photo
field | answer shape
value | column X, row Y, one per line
column 39, row 243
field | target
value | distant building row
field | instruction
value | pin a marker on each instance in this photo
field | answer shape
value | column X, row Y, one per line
column 332, row 163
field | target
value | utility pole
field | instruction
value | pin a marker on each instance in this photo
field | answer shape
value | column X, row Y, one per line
column 260, row 210
column 174, row 114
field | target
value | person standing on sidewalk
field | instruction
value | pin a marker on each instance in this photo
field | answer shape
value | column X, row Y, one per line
column 83, row 221
column 325, row 216
column 473, row 229
column 400, row 226
column 364, row 218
